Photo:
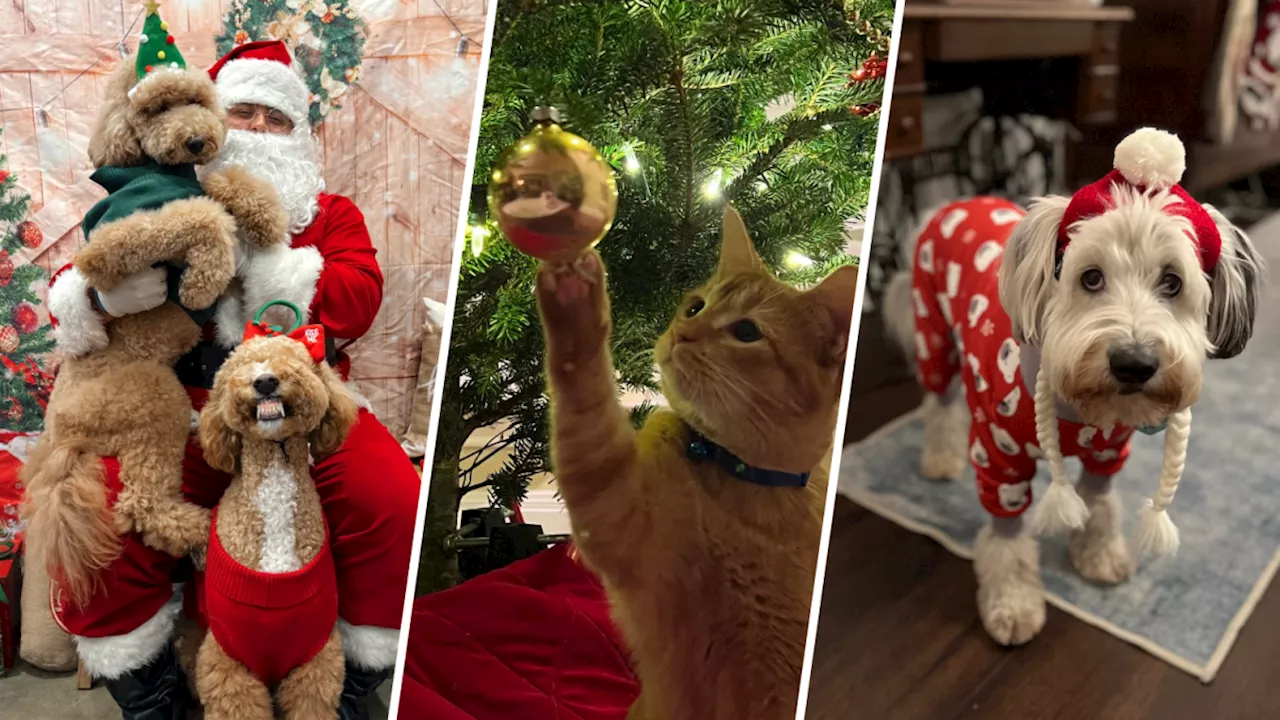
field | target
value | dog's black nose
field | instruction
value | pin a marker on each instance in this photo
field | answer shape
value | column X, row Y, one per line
column 266, row 384
column 195, row 145
column 1133, row 365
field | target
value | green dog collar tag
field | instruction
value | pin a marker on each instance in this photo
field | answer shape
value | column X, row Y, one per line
column 297, row 315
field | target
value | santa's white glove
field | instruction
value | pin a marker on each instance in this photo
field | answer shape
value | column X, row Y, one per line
column 142, row 291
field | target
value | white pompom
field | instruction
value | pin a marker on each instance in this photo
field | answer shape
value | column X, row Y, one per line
column 1151, row 158
column 1060, row 509
column 1157, row 535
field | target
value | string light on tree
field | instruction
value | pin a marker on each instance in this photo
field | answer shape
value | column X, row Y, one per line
column 798, row 260
column 712, row 189
column 478, row 235
column 632, row 163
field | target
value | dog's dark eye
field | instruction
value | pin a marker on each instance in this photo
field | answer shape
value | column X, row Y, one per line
column 1170, row 285
column 1092, row 280
column 695, row 307
column 745, row 331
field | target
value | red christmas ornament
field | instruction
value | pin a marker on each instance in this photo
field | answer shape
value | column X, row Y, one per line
column 30, row 234
column 14, row 412
column 858, row 75
column 8, row 339
column 25, row 318
column 6, row 268
column 865, row 109
column 4, row 175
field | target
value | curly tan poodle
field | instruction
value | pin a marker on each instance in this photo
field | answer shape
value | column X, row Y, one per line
column 268, row 590
column 125, row 401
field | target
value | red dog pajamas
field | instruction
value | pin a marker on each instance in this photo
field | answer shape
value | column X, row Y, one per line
column 961, row 327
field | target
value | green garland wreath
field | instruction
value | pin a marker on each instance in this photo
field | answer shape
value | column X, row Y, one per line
column 326, row 38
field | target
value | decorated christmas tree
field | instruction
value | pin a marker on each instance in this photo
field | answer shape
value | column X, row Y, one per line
column 156, row 47
column 24, row 337
column 769, row 104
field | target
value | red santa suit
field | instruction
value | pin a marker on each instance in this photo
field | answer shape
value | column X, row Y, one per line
column 961, row 328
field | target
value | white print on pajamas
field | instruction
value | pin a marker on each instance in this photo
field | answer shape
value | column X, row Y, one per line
column 1013, row 496
column 944, row 304
column 952, row 221
column 978, row 304
column 978, row 454
column 1009, row 405
column 979, row 383
column 1085, row 436
column 953, row 279
column 1004, row 441
column 922, row 347
column 1007, row 359
column 926, row 256
column 922, row 310
column 986, row 254
column 1004, row 216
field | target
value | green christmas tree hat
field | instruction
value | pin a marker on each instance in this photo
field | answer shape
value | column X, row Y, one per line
column 156, row 47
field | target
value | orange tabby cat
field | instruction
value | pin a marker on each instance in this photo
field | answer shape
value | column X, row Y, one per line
column 710, row 576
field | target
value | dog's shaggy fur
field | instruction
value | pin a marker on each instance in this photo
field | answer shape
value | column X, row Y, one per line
column 125, row 400
column 319, row 413
column 1135, row 245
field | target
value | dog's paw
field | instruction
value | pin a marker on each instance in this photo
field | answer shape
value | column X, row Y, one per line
column 1099, row 551
column 179, row 529
column 941, row 464
column 1013, row 613
column 1103, row 560
column 1010, row 593
column 252, row 202
column 574, row 303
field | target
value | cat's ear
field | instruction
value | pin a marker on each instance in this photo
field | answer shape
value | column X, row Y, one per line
column 737, row 253
column 835, row 294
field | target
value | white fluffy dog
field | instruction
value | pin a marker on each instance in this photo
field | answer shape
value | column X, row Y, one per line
column 1070, row 326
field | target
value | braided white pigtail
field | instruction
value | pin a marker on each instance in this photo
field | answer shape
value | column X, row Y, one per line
column 1061, row 508
column 1156, row 532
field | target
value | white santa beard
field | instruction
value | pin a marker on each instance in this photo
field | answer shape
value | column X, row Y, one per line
column 287, row 162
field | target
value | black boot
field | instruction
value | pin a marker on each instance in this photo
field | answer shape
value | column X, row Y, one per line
column 358, row 685
column 157, row 691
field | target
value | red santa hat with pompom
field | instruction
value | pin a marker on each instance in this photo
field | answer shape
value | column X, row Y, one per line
column 263, row 73
column 1148, row 160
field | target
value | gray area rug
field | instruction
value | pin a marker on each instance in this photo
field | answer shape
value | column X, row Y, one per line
column 1187, row 609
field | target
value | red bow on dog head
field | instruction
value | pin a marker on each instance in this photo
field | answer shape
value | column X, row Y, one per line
column 312, row 336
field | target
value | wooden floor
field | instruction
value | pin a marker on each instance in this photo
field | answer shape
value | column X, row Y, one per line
column 899, row 637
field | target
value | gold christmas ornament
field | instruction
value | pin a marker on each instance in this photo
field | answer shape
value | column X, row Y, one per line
column 551, row 193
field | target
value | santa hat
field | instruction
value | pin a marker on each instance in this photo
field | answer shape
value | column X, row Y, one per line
column 1148, row 160
column 263, row 73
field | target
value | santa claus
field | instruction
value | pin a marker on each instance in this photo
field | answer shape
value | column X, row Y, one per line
column 123, row 633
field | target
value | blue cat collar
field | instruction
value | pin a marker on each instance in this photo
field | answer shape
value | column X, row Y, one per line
column 701, row 449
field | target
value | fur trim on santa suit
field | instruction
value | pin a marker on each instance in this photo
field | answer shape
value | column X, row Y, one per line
column 368, row 646
column 108, row 658
column 77, row 328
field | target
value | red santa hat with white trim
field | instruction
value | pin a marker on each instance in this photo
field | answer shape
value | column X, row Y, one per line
column 1147, row 160
column 263, row 73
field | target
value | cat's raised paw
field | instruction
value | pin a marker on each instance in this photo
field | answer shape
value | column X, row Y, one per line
column 570, row 283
